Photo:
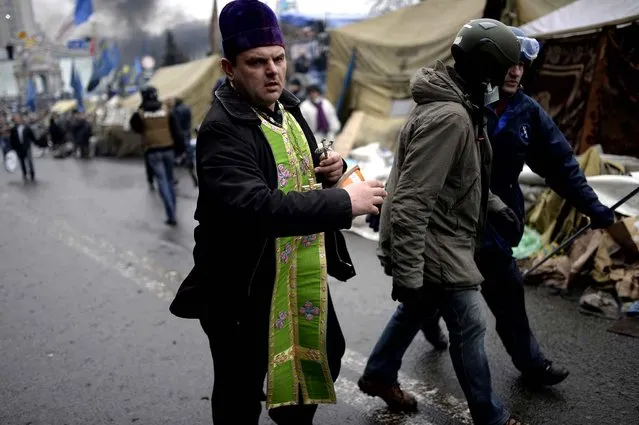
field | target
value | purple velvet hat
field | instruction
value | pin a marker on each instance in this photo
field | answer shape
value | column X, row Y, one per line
column 247, row 24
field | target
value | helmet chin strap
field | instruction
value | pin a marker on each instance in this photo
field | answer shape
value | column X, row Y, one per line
column 484, row 94
column 482, row 90
column 491, row 93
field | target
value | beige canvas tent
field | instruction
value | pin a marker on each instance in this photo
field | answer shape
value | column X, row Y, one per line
column 528, row 10
column 192, row 81
column 390, row 48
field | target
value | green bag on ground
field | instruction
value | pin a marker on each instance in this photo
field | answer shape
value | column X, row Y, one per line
column 529, row 245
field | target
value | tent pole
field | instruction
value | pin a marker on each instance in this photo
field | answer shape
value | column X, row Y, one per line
column 346, row 84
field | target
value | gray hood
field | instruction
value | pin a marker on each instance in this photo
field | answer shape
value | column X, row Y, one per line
column 437, row 85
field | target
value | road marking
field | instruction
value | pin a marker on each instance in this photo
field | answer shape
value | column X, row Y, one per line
column 136, row 269
column 107, row 255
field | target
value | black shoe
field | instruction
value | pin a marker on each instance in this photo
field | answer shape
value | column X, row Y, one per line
column 171, row 222
column 435, row 336
column 546, row 375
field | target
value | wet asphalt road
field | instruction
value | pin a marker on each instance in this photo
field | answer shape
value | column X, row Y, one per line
column 87, row 269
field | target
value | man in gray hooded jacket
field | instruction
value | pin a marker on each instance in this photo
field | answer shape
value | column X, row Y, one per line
column 438, row 198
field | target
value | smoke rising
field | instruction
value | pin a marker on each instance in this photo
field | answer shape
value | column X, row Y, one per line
column 134, row 14
column 138, row 26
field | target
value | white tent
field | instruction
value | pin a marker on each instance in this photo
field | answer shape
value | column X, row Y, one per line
column 584, row 15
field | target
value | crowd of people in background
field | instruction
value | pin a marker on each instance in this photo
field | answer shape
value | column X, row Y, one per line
column 26, row 134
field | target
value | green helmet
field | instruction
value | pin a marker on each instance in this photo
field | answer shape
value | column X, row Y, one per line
column 483, row 50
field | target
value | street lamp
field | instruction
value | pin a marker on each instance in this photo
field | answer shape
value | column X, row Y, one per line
column 7, row 16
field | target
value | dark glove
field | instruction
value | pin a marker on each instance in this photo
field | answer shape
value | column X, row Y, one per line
column 404, row 294
column 386, row 265
column 602, row 217
column 507, row 225
column 373, row 221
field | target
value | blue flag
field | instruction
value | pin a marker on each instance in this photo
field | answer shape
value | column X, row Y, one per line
column 115, row 56
column 138, row 70
column 31, row 95
column 76, row 84
column 83, row 10
column 102, row 65
column 346, row 84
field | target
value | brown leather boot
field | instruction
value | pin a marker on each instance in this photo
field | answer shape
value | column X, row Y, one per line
column 396, row 399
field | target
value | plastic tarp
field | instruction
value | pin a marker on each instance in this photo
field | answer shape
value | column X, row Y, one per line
column 391, row 48
column 192, row 81
column 66, row 105
column 529, row 245
column 554, row 217
column 62, row 106
column 374, row 162
column 363, row 129
column 584, row 15
column 611, row 188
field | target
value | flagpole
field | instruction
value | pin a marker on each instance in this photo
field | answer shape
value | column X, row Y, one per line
column 214, row 30
column 94, row 36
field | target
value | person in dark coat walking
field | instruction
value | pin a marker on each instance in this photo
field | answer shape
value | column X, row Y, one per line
column 81, row 131
column 21, row 139
column 268, row 235
column 184, row 118
column 56, row 132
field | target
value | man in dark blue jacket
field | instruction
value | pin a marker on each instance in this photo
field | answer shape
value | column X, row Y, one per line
column 520, row 131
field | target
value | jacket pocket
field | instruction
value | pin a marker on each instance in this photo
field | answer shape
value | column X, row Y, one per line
column 456, row 255
column 467, row 193
column 187, row 303
column 467, row 207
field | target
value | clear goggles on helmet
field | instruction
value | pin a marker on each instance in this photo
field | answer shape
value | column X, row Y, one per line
column 529, row 48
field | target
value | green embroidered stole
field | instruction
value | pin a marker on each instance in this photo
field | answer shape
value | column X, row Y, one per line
column 299, row 307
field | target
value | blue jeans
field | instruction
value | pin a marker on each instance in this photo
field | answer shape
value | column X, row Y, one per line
column 161, row 162
column 462, row 312
column 503, row 290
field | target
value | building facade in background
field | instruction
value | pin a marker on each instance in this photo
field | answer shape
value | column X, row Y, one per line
column 17, row 22
column 25, row 51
